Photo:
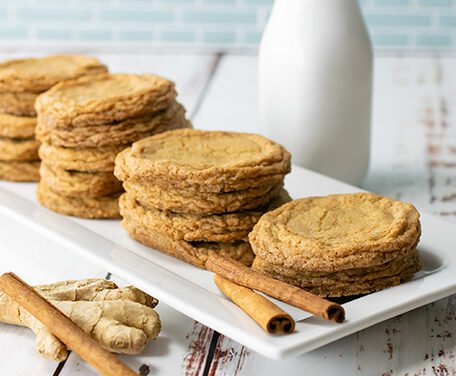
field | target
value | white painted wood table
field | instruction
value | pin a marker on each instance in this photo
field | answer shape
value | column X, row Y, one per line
column 413, row 158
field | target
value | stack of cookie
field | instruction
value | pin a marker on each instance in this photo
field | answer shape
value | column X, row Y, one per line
column 84, row 123
column 21, row 81
column 339, row 245
column 190, row 192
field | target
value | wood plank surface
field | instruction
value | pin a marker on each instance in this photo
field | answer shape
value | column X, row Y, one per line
column 231, row 100
column 413, row 158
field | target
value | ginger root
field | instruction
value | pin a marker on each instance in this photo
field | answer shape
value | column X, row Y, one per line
column 120, row 319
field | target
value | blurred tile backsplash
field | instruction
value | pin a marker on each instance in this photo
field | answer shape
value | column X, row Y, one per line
column 205, row 24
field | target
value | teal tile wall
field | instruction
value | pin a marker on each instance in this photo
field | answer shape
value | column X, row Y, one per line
column 213, row 24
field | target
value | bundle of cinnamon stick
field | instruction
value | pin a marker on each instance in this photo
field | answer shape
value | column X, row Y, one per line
column 238, row 282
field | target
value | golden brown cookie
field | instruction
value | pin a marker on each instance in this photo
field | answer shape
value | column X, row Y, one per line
column 35, row 75
column 104, row 98
column 347, row 282
column 227, row 227
column 195, row 253
column 19, row 104
column 339, row 245
column 80, row 159
column 17, row 126
column 204, row 161
column 20, row 171
column 336, row 232
column 124, row 132
column 76, row 184
column 84, row 207
column 176, row 200
column 18, row 149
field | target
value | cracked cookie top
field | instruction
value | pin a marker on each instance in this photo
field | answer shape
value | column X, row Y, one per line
column 103, row 98
column 212, row 160
column 336, row 232
column 36, row 75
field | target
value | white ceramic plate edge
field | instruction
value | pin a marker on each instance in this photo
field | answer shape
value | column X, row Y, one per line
column 212, row 310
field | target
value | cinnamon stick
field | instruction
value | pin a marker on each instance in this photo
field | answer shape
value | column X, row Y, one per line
column 270, row 317
column 295, row 296
column 62, row 327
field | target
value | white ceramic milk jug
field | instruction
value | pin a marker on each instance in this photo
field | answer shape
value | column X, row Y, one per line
column 315, row 85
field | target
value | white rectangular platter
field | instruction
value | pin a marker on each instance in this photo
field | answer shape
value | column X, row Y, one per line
column 192, row 291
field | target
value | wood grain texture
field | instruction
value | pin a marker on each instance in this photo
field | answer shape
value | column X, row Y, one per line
column 231, row 101
column 413, row 158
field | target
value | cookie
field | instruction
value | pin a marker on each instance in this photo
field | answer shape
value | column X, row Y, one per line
column 18, row 149
column 103, row 99
column 124, row 132
column 347, row 282
column 204, row 161
column 226, row 227
column 186, row 201
column 339, row 245
column 195, row 253
column 171, row 111
column 336, row 232
column 81, row 206
column 36, row 75
column 75, row 183
column 20, row 171
column 19, row 104
column 80, row 159
column 17, row 126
